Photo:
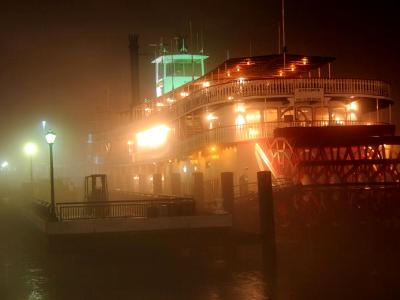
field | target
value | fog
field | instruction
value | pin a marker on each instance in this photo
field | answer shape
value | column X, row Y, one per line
column 64, row 61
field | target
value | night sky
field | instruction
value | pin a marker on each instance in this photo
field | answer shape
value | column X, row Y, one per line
column 60, row 59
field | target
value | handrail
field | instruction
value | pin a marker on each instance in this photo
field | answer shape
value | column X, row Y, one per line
column 269, row 88
column 246, row 132
column 125, row 209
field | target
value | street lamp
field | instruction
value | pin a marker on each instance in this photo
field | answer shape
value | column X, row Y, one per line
column 30, row 149
column 50, row 138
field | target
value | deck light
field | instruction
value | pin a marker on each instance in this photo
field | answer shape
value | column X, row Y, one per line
column 352, row 116
column 206, row 84
column 253, row 117
column 240, row 120
column 211, row 117
column 353, row 106
column 304, row 60
column 153, row 138
column 184, row 94
column 240, row 108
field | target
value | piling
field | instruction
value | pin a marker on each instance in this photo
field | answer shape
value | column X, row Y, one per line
column 227, row 191
column 266, row 214
column 198, row 189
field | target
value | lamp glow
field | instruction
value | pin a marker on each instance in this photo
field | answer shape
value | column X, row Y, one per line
column 206, row 84
column 153, row 138
column 240, row 120
column 4, row 164
column 352, row 106
column 30, row 149
column 211, row 117
column 240, row 108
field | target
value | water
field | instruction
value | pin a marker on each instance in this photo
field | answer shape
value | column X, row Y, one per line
column 356, row 263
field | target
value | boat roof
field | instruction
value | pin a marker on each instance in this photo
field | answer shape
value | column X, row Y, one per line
column 268, row 66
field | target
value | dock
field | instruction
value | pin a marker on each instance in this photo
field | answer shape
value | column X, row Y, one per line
column 160, row 215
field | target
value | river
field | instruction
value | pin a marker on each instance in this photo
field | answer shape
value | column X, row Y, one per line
column 339, row 263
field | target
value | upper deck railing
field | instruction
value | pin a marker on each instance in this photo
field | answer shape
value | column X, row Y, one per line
column 247, row 132
column 188, row 99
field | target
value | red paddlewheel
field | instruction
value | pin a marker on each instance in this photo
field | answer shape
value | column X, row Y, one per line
column 282, row 157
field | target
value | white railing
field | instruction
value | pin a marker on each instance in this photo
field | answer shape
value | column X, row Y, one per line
column 242, row 133
column 268, row 88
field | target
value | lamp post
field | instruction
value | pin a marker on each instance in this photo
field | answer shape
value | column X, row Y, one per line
column 50, row 138
column 30, row 149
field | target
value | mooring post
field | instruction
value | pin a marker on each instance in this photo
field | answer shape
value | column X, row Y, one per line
column 266, row 212
column 227, row 191
column 176, row 184
column 157, row 184
column 198, row 190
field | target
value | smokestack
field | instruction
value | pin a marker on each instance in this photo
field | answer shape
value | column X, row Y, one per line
column 134, row 54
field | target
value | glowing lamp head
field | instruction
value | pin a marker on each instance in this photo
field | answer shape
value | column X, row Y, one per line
column 4, row 164
column 50, row 137
column 30, row 149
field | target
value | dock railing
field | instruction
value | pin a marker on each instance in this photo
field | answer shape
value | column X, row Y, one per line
column 125, row 209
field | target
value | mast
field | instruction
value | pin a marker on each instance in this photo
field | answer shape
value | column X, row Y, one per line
column 283, row 36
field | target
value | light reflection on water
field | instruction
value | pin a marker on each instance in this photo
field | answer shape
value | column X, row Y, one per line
column 321, row 267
